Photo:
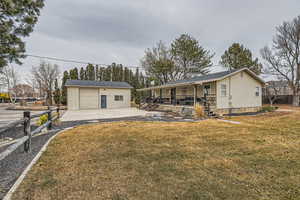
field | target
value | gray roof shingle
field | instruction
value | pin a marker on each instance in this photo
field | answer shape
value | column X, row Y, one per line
column 104, row 84
column 203, row 77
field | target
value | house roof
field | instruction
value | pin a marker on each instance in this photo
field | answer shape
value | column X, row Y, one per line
column 205, row 78
column 101, row 84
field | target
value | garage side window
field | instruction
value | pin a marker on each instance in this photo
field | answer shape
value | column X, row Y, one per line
column 257, row 92
column 118, row 97
column 223, row 90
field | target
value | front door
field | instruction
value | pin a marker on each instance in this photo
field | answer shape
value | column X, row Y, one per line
column 103, row 101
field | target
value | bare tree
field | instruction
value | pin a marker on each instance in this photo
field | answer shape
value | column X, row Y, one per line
column 45, row 74
column 272, row 91
column 9, row 77
column 30, row 80
column 283, row 59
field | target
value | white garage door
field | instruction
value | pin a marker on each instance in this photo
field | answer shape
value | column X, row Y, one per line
column 89, row 98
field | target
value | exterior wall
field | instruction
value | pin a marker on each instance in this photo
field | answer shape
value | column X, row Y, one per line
column 111, row 103
column 237, row 110
column 240, row 92
column 88, row 98
column 73, row 98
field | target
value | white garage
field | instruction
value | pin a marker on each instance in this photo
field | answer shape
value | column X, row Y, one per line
column 87, row 95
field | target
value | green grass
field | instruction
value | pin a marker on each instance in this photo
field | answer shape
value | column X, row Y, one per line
column 259, row 159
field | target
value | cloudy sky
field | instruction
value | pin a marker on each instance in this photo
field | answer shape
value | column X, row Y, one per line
column 102, row 31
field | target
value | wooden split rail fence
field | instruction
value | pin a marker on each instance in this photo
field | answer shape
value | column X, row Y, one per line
column 26, row 122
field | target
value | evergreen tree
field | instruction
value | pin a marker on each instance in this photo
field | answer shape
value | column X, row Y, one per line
column 82, row 74
column 107, row 74
column 97, row 73
column 17, row 19
column 101, row 73
column 190, row 58
column 57, row 95
column 90, row 72
column 114, row 75
column 237, row 57
column 126, row 75
column 63, row 88
column 73, row 74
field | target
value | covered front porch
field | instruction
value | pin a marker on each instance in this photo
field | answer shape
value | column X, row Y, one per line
column 182, row 95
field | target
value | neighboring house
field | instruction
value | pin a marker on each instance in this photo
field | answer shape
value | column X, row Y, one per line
column 223, row 92
column 25, row 91
column 82, row 95
column 280, row 90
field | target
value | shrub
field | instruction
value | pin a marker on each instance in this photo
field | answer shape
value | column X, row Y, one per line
column 42, row 120
column 199, row 111
column 268, row 108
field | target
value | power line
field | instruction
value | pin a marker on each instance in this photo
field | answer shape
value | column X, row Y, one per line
column 85, row 62
column 72, row 61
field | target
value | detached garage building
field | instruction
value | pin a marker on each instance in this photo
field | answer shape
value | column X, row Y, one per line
column 84, row 95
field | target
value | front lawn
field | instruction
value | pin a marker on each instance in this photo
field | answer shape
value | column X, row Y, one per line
column 259, row 159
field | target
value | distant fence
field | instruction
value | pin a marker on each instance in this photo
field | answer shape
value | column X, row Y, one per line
column 281, row 99
column 26, row 122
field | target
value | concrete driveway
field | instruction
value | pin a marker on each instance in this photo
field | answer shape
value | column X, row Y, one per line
column 78, row 115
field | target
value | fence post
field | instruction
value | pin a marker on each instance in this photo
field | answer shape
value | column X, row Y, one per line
column 49, row 119
column 57, row 111
column 27, row 144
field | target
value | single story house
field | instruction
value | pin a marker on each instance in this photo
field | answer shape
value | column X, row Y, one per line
column 233, row 91
column 83, row 94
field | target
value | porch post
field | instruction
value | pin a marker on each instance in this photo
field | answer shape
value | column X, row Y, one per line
column 160, row 95
column 195, row 95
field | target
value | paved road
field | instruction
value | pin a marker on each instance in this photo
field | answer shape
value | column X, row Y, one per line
column 8, row 116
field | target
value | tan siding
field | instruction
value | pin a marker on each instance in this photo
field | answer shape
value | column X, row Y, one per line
column 110, row 99
column 89, row 98
column 242, row 88
column 182, row 92
column 73, row 98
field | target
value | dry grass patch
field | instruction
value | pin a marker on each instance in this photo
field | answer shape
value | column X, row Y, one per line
column 259, row 159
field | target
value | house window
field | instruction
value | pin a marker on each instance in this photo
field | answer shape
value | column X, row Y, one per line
column 257, row 92
column 118, row 97
column 223, row 90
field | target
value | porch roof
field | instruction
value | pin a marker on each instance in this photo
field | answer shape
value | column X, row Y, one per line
column 203, row 79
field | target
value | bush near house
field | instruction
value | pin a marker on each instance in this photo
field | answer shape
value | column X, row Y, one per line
column 199, row 111
column 268, row 108
column 42, row 120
